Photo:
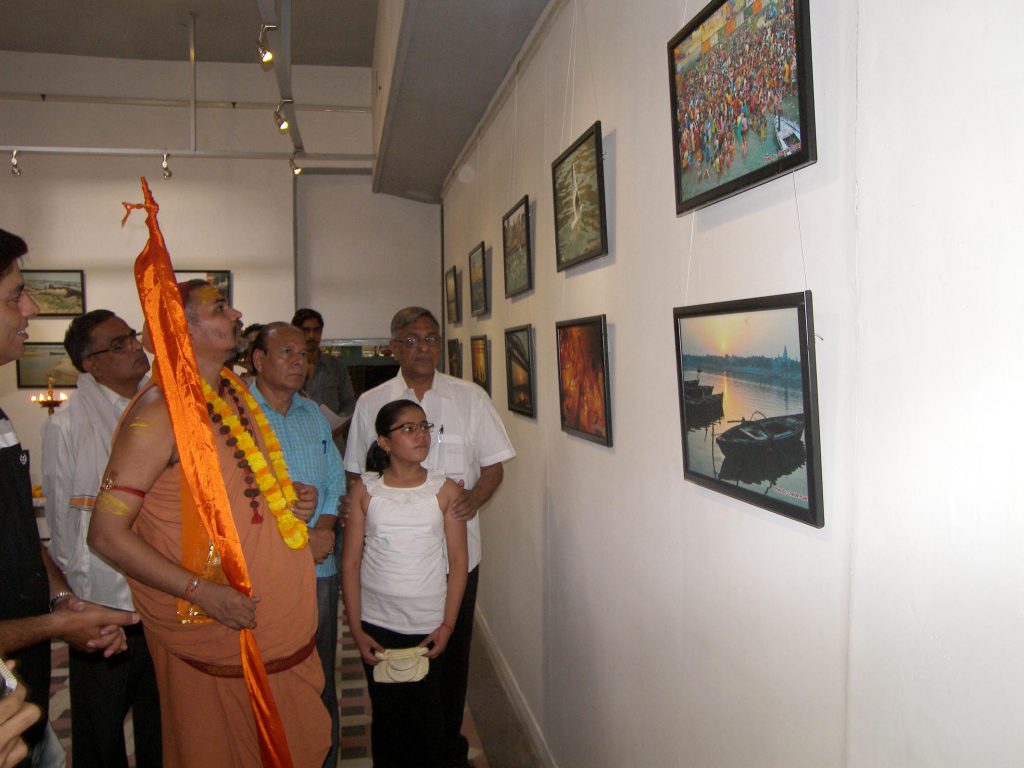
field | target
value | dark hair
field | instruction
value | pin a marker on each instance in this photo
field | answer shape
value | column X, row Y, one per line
column 252, row 327
column 302, row 315
column 377, row 459
column 78, row 337
column 12, row 248
column 409, row 315
column 260, row 342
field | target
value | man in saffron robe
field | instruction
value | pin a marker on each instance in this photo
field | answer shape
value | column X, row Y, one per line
column 145, row 524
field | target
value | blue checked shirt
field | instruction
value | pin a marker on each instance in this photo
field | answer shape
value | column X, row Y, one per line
column 311, row 456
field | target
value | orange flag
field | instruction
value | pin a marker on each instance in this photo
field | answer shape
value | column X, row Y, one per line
column 183, row 390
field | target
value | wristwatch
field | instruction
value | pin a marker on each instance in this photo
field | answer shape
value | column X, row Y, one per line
column 59, row 597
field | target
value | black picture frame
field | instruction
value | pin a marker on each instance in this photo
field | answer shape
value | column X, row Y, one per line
column 584, row 394
column 516, row 248
column 749, row 410
column 519, row 370
column 455, row 358
column 581, row 219
column 772, row 131
column 479, row 289
column 43, row 359
column 58, row 292
column 453, row 304
column 218, row 278
column 480, row 361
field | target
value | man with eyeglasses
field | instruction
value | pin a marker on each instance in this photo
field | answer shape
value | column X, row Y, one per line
column 327, row 380
column 470, row 443
column 76, row 447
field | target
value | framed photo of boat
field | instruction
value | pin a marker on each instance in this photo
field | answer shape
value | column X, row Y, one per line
column 748, row 402
column 455, row 358
column 480, row 361
column 58, row 292
column 583, row 393
column 742, row 98
column 515, row 244
column 479, row 295
column 581, row 221
column 522, row 390
column 451, row 295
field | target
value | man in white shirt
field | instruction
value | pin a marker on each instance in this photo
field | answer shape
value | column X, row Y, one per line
column 76, row 447
column 469, row 443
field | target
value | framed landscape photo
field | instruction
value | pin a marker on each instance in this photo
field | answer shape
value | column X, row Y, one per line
column 451, row 295
column 522, row 390
column 218, row 278
column 748, row 402
column 581, row 224
column 58, row 292
column 515, row 244
column 455, row 358
column 480, row 360
column 479, row 295
column 43, row 361
column 583, row 392
column 742, row 98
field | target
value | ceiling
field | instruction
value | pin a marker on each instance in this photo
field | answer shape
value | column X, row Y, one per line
column 453, row 55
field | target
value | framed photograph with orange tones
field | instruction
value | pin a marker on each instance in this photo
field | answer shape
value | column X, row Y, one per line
column 480, row 361
column 583, row 392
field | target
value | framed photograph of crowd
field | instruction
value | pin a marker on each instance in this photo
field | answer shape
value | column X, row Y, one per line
column 581, row 223
column 479, row 293
column 58, row 292
column 43, row 361
column 519, row 370
column 218, row 278
column 451, row 295
column 515, row 243
column 455, row 358
column 742, row 98
column 480, row 361
column 748, row 402
column 583, row 391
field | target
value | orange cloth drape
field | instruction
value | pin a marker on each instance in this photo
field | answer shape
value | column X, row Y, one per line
column 183, row 390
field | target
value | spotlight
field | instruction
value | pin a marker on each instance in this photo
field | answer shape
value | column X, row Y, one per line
column 266, row 56
column 296, row 169
column 167, row 170
column 279, row 118
column 15, row 170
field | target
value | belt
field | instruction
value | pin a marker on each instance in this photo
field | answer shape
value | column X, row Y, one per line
column 272, row 667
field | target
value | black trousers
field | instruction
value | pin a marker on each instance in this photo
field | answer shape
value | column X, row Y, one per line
column 455, row 677
column 408, row 719
column 102, row 692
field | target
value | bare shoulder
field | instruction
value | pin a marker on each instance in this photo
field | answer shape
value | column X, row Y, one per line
column 145, row 435
column 449, row 492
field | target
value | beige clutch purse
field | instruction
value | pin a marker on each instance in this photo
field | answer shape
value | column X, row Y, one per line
column 401, row 665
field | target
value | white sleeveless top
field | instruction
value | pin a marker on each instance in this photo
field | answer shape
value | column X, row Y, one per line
column 403, row 578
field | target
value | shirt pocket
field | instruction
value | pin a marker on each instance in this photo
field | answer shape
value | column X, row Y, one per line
column 452, row 454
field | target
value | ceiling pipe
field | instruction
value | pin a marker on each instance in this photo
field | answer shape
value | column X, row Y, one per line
column 192, row 69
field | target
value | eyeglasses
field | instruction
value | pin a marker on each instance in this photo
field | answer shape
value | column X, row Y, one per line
column 408, row 429
column 431, row 340
column 119, row 344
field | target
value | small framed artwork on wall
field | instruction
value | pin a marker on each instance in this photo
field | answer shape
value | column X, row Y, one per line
column 515, row 242
column 455, row 358
column 519, row 370
column 581, row 224
column 58, row 292
column 583, row 391
column 748, row 402
column 218, row 278
column 43, row 361
column 479, row 290
column 451, row 295
column 480, row 360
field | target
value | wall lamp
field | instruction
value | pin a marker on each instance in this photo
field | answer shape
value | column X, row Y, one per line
column 167, row 170
column 266, row 56
column 15, row 170
column 296, row 169
column 279, row 118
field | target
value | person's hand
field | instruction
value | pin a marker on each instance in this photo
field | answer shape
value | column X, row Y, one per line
column 366, row 645
column 437, row 641
column 321, row 543
column 465, row 507
column 15, row 716
column 304, row 507
column 344, row 507
column 91, row 627
column 225, row 604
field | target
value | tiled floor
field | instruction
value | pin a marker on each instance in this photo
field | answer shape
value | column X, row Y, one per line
column 353, row 701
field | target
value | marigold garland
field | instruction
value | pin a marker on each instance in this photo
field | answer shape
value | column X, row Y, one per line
column 275, row 484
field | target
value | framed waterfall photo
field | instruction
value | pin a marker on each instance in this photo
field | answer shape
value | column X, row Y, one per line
column 742, row 98
column 581, row 222
column 748, row 402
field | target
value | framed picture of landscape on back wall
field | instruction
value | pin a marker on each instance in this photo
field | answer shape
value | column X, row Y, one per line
column 748, row 402
column 58, row 292
column 742, row 98
column 479, row 290
column 581, row 222
column 515, row 242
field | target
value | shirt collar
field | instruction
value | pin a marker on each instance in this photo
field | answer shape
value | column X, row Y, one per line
column 440, row 386
column 257, row 395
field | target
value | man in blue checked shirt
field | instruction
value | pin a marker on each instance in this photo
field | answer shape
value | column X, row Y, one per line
column 280, row 358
